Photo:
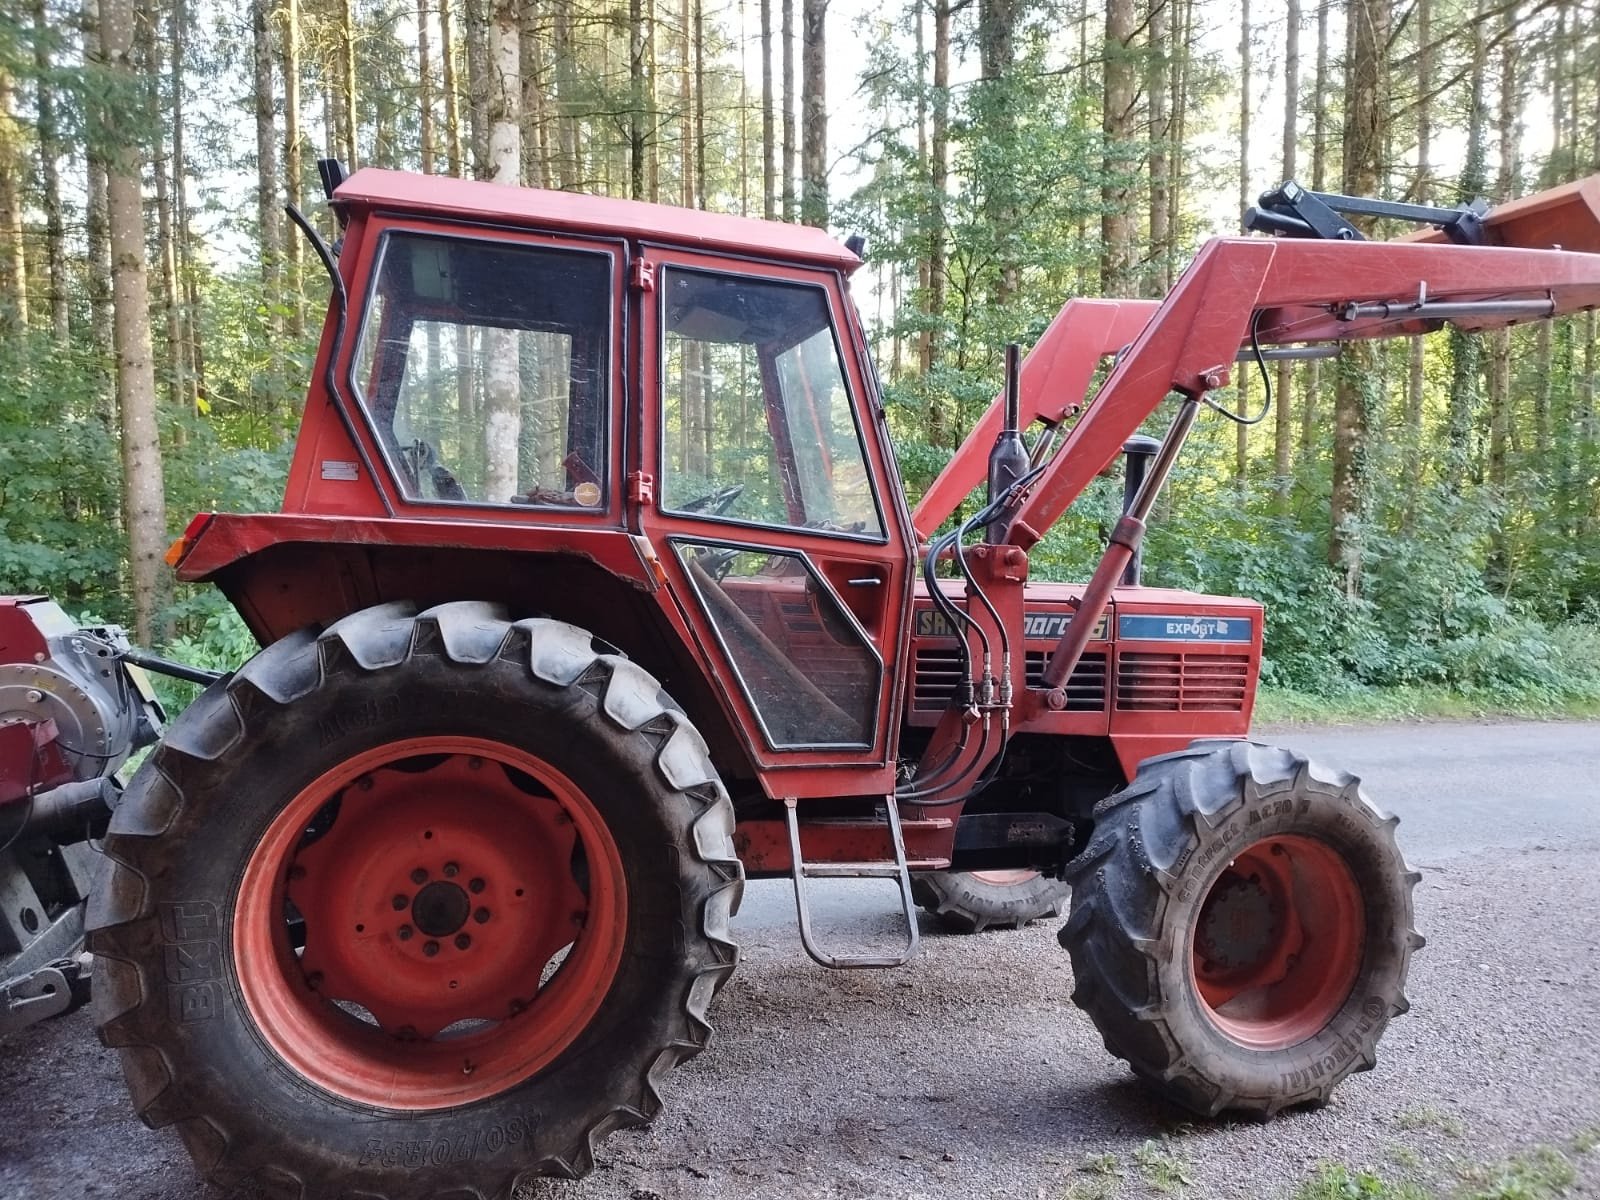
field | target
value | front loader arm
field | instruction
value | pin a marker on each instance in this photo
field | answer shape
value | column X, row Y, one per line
column 1054, row 381
column 1303, row 291
column 1270, row 291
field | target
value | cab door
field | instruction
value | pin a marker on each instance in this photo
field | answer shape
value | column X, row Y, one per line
column 775, row 513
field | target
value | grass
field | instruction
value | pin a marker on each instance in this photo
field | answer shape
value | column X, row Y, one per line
column 1163, row 1170
column 1281, row 706
column 1543, row 1173
column 1334, row 1181
column 1540, row 1173
column 1426, row 1117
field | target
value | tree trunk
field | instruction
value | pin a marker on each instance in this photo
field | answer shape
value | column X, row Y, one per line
column 789, row 148
column 150, row 67
column 144, row 502
column 1117, row 121
column 13, row 248
column 1465, row 349
column 292, row 165
column 769, row 149
column 535, row 159
column 193, row 354
column 1499, row 372
column 997, row 30
column 639, row 87
column 55, row 252
column 425, row 146
column 814, row 113
column 479, row 85
column 1157, row 18
column 502, row 384
column 939, row 180
column 1422, row 190
column 101, row 322
column 452, row 97
column 1366, row 110
column 1283, row 422
column 271, row 237
column 568, row 173
column 347, row 67
column 1178, row 110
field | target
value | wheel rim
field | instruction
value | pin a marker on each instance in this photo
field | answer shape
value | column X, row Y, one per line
column 463, row 910
column 1005, row 878
column 1279, row 942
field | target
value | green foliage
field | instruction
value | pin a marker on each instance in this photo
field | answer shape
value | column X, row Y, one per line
column 1333, row 1181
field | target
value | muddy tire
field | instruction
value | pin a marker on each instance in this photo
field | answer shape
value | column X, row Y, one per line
column 1241, row 927
column 972, row 901
column 421, row 906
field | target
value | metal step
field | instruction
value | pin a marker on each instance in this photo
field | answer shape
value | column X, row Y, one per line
column 896, row 870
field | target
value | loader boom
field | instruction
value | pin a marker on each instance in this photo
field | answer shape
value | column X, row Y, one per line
column 1240, row 293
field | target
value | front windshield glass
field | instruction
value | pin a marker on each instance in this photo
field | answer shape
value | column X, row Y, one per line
column 484, row 365
column 757, row 423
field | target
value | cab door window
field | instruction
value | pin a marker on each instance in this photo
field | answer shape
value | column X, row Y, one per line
column 484, row 368
column 756, row 423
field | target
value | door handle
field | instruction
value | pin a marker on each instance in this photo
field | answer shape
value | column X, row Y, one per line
column 866, row 581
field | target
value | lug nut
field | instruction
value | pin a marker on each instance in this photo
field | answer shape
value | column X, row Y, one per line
column 405, row 933
column 420, row 875
column 476, row 886
column 430, row 948
column 399, row 902
column 451, row 870
column 463, row 941
column 481, row 916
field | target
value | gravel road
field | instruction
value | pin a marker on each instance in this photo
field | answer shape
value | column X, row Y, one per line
column 969, row 1073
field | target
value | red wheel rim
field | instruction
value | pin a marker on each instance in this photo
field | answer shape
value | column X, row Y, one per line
column 464, row 911
column 1279, row 942
column 1005, row 878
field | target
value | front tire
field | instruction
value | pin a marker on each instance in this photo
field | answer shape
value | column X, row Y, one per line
column 1241, row 927
column 416, row 907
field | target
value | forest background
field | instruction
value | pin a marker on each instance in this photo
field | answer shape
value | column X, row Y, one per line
column 1422, row 520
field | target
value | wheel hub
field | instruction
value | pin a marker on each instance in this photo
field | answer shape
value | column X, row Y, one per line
column 1240, row 925
column 440, row 909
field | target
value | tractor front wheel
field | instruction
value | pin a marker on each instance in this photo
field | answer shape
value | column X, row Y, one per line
column 422, row 905
column 1241, row 927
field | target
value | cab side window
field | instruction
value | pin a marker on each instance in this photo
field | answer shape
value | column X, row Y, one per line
column 484, row 368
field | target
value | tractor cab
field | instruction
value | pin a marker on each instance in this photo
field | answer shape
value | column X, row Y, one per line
column 658, row 424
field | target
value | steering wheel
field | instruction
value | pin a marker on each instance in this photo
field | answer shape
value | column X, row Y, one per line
column 716, row 503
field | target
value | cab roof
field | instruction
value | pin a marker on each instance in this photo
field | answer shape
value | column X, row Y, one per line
column 571, row 212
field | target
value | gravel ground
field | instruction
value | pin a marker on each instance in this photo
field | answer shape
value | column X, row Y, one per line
column 969, row 1074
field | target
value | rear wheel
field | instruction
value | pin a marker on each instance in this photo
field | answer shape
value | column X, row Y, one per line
column 419, row 906
column 972, row 901
column 1241, row 927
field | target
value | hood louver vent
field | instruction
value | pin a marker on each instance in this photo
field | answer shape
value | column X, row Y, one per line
column 1182, row 682
column 938, row 670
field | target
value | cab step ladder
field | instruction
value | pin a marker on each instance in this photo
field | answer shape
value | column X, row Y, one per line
column 895, row 869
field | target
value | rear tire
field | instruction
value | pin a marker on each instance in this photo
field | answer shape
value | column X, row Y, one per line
column 972, row 901
column 1241, row 927
column 410, row 757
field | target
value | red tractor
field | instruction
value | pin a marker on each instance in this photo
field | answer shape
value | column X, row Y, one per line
column 595, row 591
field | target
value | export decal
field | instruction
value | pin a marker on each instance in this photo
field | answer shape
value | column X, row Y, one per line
column 1184, row 627
column 1036, row 626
